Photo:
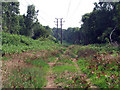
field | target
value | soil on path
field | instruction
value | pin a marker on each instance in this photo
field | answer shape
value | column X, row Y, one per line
column 50, row 77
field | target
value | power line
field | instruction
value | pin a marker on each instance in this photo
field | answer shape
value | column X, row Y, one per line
column 40, row 11
column 42, row 18
column 77, row 7
column 22, row 4
column 27, row 2
column 38, row 7
column 68, row 8
column 61, row 24
column 75, row 10
column 39, row 16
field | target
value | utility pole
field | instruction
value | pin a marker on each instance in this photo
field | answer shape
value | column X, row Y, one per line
column 57, row 27
column 61, row 27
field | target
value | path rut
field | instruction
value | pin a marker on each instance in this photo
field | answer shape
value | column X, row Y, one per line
column 50, row 77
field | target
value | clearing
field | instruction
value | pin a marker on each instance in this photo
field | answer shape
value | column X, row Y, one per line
column 68, row 67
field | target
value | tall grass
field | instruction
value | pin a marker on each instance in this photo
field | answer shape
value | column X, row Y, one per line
column 33, row 77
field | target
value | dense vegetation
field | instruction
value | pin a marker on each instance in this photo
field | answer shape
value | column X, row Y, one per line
column 13, row 43
column 31, row 58
column 68, row 66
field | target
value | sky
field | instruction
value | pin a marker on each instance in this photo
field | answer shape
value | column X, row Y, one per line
column 70, row 10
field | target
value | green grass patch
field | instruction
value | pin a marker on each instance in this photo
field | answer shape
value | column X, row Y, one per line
column 33, row 77
column 63, row 68
column 65, row 59
column 69, row 61
column 38, row 62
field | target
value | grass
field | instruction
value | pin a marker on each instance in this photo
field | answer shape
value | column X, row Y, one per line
column 63, row 73
column 38, row 62
column 98, row 72
column 65, row 59
column 33, row 76
column 26, row 77
column 103, row 73
column 69, row 61
column 63, row 68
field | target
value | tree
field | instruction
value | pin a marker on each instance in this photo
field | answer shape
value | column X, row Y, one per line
column 40, row 31
column 30, row 18
column 97, row 24
column 22, row 25
column 10, row 12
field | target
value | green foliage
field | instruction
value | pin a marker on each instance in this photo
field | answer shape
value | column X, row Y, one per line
column 29, row 18
column 13, row 43
column 17, row 40
column 10, row 20
column 22, row 30
column 39, row 32
column 27, row 25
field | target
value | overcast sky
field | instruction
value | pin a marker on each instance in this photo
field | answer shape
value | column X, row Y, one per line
column 70, row 10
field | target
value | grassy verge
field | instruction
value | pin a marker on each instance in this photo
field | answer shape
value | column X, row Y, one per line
column 33, row 77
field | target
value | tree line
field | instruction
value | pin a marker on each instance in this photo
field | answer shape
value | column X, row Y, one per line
column 102, row 25
column 97, row 26
column 28, row 25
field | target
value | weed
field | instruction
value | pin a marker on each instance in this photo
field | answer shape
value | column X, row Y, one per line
column 26, row 77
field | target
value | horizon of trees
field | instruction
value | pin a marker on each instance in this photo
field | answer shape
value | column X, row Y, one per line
column 96, row 28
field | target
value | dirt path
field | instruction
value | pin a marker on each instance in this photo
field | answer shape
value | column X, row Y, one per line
column 50, row 77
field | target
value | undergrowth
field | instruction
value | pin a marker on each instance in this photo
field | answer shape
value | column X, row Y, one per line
column 12, row 43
